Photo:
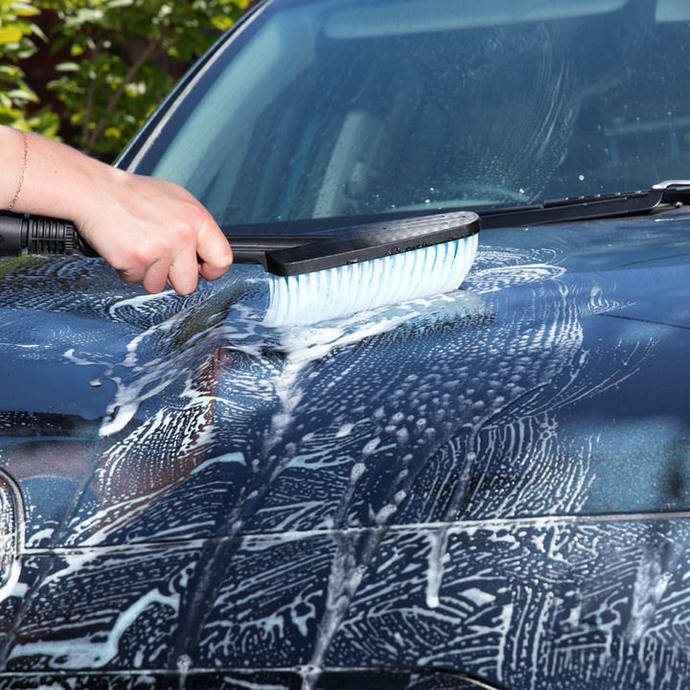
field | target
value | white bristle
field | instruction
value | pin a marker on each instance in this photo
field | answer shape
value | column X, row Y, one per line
column 344, row 290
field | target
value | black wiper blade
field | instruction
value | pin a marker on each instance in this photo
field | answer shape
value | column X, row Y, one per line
column 661, row 195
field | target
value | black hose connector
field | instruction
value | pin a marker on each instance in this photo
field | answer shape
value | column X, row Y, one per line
column 21, row 233
column 12, row 234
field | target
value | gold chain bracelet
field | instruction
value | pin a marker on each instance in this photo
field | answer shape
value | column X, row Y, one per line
column 20, row 184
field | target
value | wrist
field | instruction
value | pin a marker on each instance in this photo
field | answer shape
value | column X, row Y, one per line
column 60, row 181
column 92, row 189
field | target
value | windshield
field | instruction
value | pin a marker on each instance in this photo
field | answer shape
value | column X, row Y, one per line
column 339, row 108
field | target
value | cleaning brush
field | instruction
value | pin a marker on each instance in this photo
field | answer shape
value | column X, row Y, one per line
column 314, row 277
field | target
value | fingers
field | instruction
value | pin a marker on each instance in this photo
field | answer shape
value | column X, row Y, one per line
column 166, row 236
column 153, row 276
column 179, row 263
column 156, row 277
column 214, row 252
column 183, row 271
column 199, row 249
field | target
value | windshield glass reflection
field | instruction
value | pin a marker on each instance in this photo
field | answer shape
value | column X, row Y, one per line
column 342, row 109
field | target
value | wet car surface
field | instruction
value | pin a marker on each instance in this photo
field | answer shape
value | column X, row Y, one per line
column 495, row 473
column 487, row 488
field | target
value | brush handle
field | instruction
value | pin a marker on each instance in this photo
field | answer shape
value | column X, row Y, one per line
column 55, row 237
column 281, row 255
column 253, row 249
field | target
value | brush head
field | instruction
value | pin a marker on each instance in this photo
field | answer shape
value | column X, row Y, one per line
column 356, row 244
column 433, row 258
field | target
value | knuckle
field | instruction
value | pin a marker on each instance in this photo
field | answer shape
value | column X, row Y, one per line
column 186, row 233
column 222, row 256
column 151, row 250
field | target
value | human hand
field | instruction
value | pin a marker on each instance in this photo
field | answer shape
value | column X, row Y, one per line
column 150, row 230
column 153, row 232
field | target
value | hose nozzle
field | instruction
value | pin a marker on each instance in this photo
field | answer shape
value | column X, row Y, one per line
column 21, row 233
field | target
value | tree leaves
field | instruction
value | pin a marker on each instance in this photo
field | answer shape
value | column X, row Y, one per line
column 17, row 35
column 10, row 34
column 114, row 61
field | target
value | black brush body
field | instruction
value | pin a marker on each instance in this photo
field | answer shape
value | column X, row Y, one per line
column 279, row 254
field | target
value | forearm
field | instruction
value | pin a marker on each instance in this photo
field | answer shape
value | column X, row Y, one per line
column 56, row 180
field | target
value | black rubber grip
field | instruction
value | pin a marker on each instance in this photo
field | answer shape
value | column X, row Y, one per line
column 12, row 239
column 40, row 235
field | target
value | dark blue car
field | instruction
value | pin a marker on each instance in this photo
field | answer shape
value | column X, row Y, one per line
column 488, row 488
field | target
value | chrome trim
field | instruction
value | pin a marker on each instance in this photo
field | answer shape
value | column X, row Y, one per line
column 671, row 183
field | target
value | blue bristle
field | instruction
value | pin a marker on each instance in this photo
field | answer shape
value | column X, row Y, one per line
column 344, row 290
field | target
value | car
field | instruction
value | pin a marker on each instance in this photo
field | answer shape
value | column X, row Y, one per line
column 486, row 488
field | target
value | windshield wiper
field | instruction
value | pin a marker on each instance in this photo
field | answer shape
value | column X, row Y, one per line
column 661, row 196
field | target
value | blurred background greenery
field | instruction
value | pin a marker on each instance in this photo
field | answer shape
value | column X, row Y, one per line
column 89, row 72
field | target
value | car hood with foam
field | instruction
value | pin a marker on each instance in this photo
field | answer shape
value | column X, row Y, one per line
column 483, row 487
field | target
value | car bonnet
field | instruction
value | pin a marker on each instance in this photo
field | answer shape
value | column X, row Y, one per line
column 505, row 463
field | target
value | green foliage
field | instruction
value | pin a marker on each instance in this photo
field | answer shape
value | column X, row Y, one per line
column 114, row 61
column 17, row 34
column 121, row 52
